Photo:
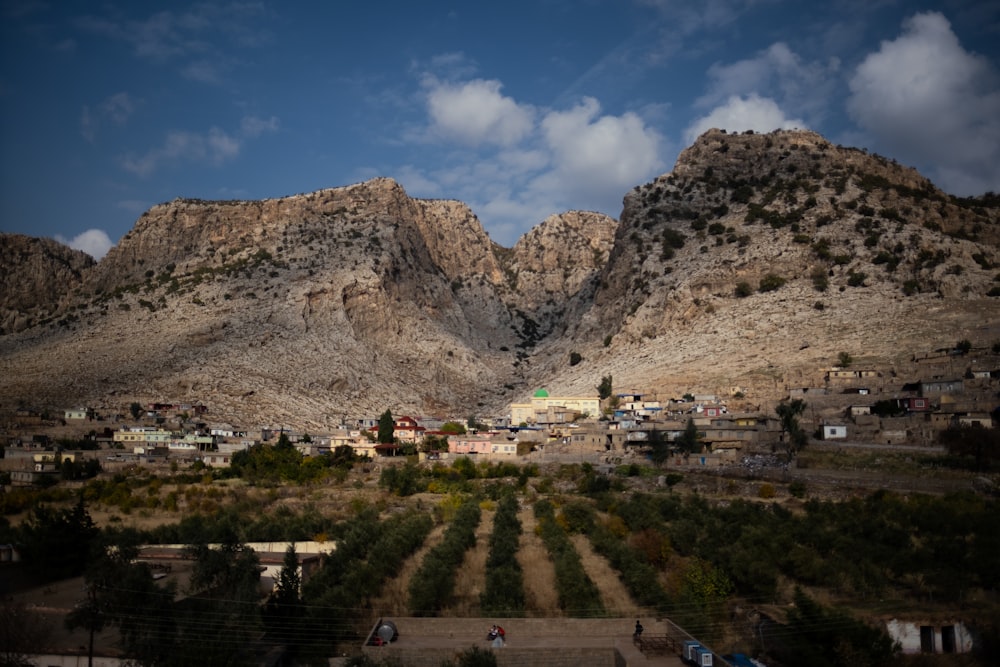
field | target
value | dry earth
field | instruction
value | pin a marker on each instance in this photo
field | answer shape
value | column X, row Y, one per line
column 540, row 594
column 470, row 580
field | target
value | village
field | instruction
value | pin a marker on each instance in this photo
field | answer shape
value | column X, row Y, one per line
column 716, row 434
column 861, row 405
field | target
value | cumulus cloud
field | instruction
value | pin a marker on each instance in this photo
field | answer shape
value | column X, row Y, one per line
column 596, row 156
column 475, row 112
column 738, row 114
column 924, row 98
column 213, row 147
column 778, row 73
column 519, row 164
column 94, row 242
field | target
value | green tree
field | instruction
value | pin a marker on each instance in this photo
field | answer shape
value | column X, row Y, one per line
column 121, row 592
column 135, row 409
column 844, row 359
column 386, row 428
column 604, row 389
column 689, row 441
column 56, row 543
column 826, row 637
column 659, row 447
column 284, row 612
column 704, row 586
column 792, row 434
column 574, row 358
column 975, row 441
column 223, row 603
column 453, row 428
column 963, row 346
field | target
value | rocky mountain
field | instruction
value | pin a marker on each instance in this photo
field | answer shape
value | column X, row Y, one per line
column 37, row 274
column 747, row 268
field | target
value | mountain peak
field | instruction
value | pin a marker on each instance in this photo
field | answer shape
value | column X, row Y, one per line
column 753, row 263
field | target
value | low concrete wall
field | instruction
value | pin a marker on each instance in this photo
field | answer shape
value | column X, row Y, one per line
column 536, row 642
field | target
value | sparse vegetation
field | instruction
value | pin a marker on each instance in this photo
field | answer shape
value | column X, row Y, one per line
column 771, row 282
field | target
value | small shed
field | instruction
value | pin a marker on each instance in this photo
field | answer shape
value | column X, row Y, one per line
column 834, row 431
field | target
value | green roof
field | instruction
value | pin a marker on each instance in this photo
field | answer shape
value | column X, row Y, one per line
column 541, row 393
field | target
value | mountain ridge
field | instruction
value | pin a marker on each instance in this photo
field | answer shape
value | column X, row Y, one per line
column 321, row 306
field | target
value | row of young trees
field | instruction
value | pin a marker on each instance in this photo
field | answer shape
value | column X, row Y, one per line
column 369, row 552
column 433, row 585
column 578, row 595
column 503, row 594
column 217, row 619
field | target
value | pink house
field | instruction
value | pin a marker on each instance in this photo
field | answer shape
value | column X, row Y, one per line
column 470, row 444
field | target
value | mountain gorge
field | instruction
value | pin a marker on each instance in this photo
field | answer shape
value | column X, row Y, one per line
column 749, row 267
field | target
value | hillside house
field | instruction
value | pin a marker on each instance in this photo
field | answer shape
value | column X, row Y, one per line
column 590, row 439
column 406, row 429
column 982, row 419
column 217, row 460
column 834, row 431
column 567, row 408
column 915, row 637
column 938, row 387
column 850, row 374
column 78, row 414
column 141, row 436
column 914, row 404
column 482, row 445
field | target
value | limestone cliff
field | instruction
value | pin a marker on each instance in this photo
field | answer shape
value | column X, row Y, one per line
column 750, row 266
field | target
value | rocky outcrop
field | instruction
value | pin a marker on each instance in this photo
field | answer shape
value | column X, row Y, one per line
column 38, row 275
column 749, row 267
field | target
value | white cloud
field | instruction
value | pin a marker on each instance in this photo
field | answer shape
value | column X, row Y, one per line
column 476, row 113
column 738, row 114
column 925, row 99
column 514, row 167
column 94, row 242
column 213, row 147
column 253, row 126
column 598, row 157
column 776, row 72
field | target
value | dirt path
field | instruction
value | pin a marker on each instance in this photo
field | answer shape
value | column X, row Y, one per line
column 541, row 598
column 470, row 579
column 614, row 595
column 394, row 598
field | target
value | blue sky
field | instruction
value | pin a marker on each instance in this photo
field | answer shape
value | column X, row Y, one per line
column 519, row 109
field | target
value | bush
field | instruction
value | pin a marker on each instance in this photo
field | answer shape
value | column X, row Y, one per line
column 771, row 282
column 819, row 279
column 743, row 290
column 574, row 358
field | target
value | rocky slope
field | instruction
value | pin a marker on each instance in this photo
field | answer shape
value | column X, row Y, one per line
column 750, row 266
column 36, row 275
